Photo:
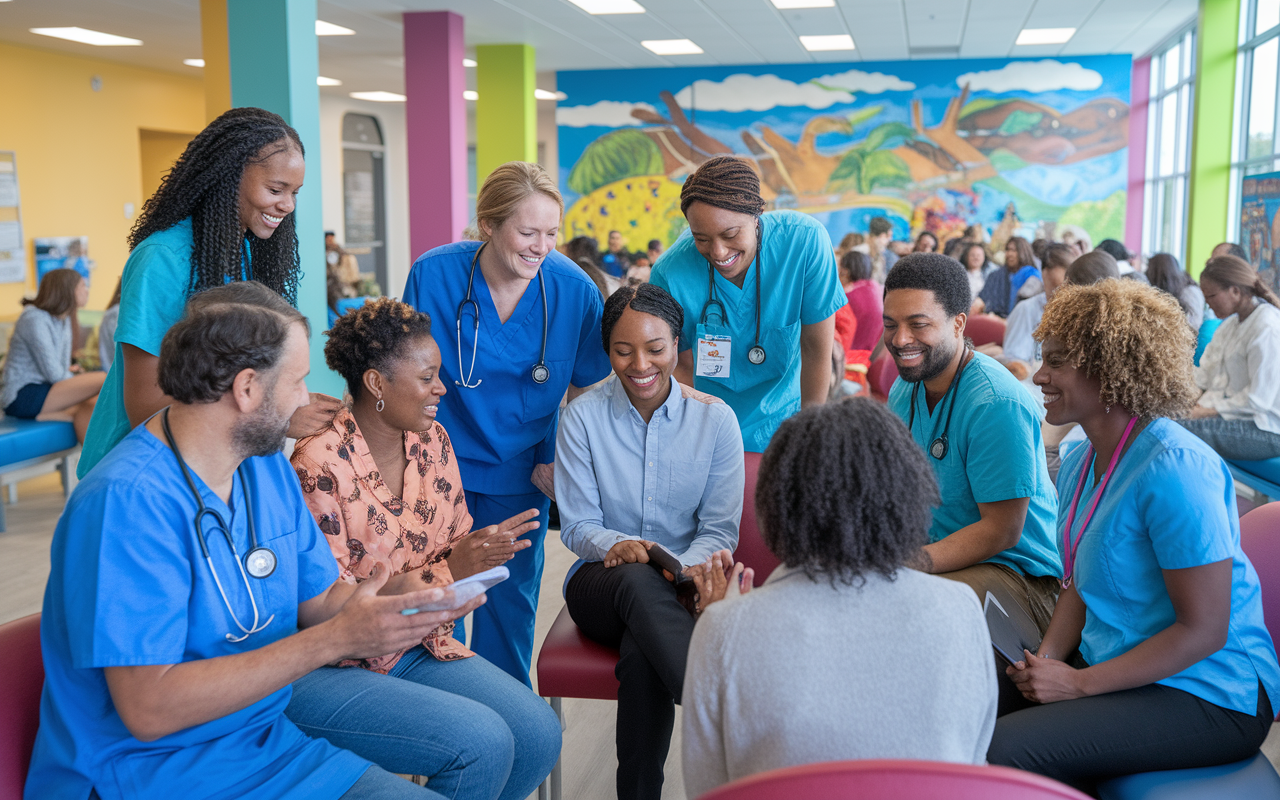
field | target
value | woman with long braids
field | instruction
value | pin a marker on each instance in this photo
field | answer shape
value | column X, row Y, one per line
column 1239, row 412
column 223, row 213
column 760, row 293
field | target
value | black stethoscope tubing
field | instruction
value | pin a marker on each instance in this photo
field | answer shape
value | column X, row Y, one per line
column 540, row 372
column 938, row 447
column 756, row 355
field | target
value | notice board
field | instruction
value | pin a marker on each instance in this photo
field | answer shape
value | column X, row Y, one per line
column 13, row 258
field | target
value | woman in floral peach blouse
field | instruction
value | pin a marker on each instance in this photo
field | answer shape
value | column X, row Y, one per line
column 383, row 485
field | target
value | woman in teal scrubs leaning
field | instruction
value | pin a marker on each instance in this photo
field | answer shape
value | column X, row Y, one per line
column 223, row 213
column 1175, row 667
column 759, row 291
column 518, row 327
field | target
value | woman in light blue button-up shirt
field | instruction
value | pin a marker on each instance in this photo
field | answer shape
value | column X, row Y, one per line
column 643, row 460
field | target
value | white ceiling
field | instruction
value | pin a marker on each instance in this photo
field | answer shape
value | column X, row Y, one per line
column 565, row 37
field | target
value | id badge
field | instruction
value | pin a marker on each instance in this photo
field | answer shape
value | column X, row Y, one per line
column 713, row 356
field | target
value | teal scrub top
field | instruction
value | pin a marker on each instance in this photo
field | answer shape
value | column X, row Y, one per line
column 153, row 294
column 799, row 285
column 129, row 586
column 1171, row 504
column 994, row 453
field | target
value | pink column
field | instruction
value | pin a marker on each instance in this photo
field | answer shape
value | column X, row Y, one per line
column 1139, row 99
column 436, row 121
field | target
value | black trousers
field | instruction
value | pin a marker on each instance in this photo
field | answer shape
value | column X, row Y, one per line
column 633, row 608
column 1085, row 741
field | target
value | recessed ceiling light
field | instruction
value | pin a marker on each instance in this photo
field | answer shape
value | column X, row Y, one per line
column 609, row 6
column 839, row 41
column 788, row 4
column 193, row 62
column 379, row 97
column 329, row 29
column 672, row 47
column 543, row 94
column 85, row 36
column 470, row 95
column 468, row 62
column 1045, row 35
column 323, row 81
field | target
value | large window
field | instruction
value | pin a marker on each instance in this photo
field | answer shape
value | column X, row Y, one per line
column 364, row 194
column 1164, row 224
column 1257, row 148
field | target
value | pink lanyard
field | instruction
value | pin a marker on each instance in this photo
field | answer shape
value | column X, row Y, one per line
column 1068, row 544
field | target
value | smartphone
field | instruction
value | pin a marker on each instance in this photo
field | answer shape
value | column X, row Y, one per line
column 465, row 590
column 661, row 558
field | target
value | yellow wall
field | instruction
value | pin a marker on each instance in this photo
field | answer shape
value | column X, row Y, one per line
column 159, row 149
column 79, row 151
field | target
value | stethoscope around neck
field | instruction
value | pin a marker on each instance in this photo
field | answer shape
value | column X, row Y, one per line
column 938, row 447
column 259, row 562
column 756, row 354
column 540, row 373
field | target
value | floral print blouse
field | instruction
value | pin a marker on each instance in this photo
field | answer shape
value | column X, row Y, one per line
column 363, row 521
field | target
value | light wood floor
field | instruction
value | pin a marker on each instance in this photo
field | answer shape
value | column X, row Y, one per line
column 588, row 754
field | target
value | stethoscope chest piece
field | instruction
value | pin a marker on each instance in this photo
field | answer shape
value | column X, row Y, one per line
column 756, row 355
column 540, row 373
column 260, row 562
column 939, row 448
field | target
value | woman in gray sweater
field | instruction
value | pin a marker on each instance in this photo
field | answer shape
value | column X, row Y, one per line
column 845, row 652
column 38, row 381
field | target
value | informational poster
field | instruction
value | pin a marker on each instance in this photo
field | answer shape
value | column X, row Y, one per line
column 13, row 258
column 1260, row 225
column 62, row 252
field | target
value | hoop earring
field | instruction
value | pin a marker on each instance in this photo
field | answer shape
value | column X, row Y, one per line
column 381, row 405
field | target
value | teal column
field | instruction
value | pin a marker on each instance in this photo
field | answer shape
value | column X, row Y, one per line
column 274, row 63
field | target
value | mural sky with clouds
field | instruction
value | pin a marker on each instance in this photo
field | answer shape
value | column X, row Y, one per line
column 1018, row 146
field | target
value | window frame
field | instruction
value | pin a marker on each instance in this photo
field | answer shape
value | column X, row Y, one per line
column 1242, row 166
column 1155, row 183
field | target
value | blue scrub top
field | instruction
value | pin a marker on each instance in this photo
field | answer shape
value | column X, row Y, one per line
column 505, row 426
column 800, row 286
column 994, row 453
column 129, row 586
column 1171, row 504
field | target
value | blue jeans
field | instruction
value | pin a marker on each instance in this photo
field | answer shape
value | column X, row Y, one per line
column 465, row 724
column 502, row 628
column 1235, row 439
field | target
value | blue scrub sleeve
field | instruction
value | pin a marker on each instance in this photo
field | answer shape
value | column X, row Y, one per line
column 317, row 568
column 1180, row 498
column 1001, row 461
column 128, row 583
column 544, row 452
column 592, row 362
column 152, row 297
column 823, row 295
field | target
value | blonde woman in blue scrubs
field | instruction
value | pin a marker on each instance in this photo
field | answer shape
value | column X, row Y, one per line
column 519, row 326
column 759, row 292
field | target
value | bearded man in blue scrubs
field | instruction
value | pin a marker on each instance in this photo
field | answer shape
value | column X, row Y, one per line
column 171, row 626
column 980, row 429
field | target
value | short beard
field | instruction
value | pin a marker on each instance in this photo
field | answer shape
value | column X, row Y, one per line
column 935, row 363
column 263, row 434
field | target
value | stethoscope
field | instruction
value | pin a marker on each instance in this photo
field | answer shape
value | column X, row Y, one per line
column 540, row 373
column 756, row 354
column 938, row 448
column 259, row 562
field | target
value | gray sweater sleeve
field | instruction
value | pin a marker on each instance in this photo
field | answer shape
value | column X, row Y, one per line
column 39, row 352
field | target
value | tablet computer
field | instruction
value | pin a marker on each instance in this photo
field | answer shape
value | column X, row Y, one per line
column 464, row 591
column 1011, row 628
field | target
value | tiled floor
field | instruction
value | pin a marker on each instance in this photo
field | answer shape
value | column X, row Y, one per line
column 588, row 754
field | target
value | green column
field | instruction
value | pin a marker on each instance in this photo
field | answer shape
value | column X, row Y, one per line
column 1217, row 34
column 507, row 112
column 274, row 63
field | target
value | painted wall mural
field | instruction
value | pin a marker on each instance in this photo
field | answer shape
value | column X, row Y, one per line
column 1019, row 146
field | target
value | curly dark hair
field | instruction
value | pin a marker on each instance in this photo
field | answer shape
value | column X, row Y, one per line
column 843, row 490
column 936, row 273
column 204, row 184
column 1132, row 337
column 371, row 337
column 203, row 352
column 646, row 298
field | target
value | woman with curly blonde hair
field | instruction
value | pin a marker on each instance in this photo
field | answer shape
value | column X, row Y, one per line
column 1156, row 657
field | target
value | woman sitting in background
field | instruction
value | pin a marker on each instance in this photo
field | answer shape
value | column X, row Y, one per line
column 926, row 243
column 1175, row 667
column 1019, row 279
column 845, row 652
column 643, row 459
column 975, row 260
column 1167, row 275
column 866, row 300
column 382, row 482
column 39, row 381
column 1239, row 412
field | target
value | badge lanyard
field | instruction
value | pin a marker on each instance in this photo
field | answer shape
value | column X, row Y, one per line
column 1070, row 545
column 938, row 448
column 756, row 354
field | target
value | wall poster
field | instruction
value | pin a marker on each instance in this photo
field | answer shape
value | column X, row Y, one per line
column 1260, row 225
column 13, row 256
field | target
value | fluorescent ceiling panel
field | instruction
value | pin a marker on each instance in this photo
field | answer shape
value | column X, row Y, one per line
column 789, row 4
column 468, row 62
column 85, row 36
column 470, row 95
column 543, row 94
column 609, row 6
column 193, row 62
column 672, row 47
column 323, row 81
column 1045, row 35
column 379, row 97
column 329, row 29
column 839, row 41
